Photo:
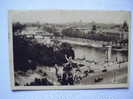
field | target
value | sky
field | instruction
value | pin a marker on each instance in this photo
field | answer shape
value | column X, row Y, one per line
column 68, row 16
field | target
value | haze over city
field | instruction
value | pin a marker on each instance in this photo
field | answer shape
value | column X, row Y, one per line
column 60, row 16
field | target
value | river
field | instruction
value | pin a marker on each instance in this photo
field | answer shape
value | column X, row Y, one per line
column 96, row 54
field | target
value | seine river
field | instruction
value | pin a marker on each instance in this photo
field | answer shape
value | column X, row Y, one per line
column 96, row 54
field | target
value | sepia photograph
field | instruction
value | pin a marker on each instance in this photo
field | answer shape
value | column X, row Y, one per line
column 69, row 49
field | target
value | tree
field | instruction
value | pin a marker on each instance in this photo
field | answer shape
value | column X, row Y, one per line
column 18, row 27
column 125, row 26
column 94, row 28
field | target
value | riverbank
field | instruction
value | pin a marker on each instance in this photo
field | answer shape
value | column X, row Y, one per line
column 116, row 73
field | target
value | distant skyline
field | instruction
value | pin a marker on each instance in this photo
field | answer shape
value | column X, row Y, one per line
column 70, row 16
